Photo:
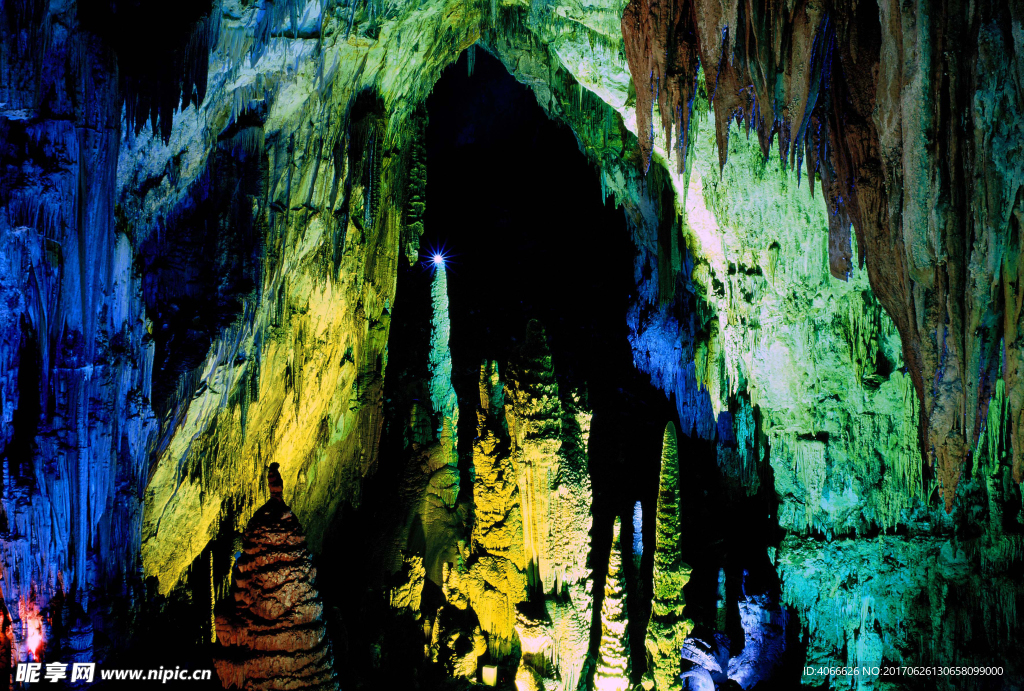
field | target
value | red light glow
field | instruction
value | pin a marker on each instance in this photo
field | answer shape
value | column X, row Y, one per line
column 32, row 621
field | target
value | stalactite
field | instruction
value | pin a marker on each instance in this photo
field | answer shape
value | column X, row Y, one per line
column 417, row 189
column 854, row 88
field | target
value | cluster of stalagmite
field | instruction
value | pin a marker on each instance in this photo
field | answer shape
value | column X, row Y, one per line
column 548, row 440
column 612, row 673
column 668, row 626
column 274, row 637
column 550, row 460
column 530, row 510
column 909, row 113
column 496, row 581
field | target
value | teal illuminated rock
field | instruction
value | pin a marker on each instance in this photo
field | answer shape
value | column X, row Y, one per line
column 444, row 465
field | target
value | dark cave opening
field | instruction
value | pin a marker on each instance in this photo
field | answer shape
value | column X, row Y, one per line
column 516, row 210
column 519, row 208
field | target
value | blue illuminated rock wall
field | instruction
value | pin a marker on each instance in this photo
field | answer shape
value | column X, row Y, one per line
column 74, row 345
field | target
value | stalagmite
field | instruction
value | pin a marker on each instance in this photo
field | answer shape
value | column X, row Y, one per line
column 613, row 656
column 445, row 479
column 497, row 577
column 274, row 636
column 550, row 459
column 668, row 627
column 638, row 533
column 831, row 376
column 553, row 479
column 534, row 425
column 720, row 610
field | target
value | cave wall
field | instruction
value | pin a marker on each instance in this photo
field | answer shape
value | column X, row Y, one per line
column 296, row 377
column 793, row 368
column 74, row 344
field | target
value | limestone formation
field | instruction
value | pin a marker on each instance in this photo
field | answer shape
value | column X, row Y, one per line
column 296, row 129
column 872, row 97
column 553, row 479
column 534, row 424
column 668, row 626
column 612, row 673
column 456, row 646
column 549, row 456
column 497, row 575
column 274, row 635
column 408, row 592
column 444, row 481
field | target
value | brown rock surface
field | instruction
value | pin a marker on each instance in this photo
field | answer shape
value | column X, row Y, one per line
column 910, row 115
column 274, row 637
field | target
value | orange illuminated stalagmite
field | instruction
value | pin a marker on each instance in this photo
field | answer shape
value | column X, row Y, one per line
column 32, row 631
column 274, row 637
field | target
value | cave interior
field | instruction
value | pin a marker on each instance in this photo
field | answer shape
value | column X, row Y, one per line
column 538, row 345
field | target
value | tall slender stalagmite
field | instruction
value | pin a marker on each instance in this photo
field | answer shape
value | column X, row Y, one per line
column 668, row 627
column 613, row 657
column 445, row 479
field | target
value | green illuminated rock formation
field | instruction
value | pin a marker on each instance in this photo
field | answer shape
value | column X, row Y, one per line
column 668, row 626
column 612, row 672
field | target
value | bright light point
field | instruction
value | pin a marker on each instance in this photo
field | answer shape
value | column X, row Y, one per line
column 438, row 260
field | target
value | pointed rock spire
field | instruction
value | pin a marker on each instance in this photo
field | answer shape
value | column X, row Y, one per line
column 668, row 627
column 613, row 655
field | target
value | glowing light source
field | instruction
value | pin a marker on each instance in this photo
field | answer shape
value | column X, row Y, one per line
column 435, row 257
column 489, row 673
column 33, row 623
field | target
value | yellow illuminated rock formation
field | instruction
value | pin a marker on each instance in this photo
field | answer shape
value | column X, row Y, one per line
column 555, row 488
column 549, row 456
column 497, row 576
